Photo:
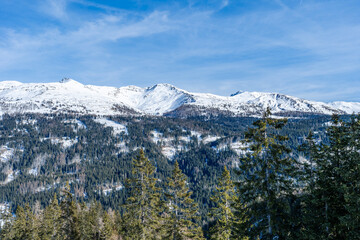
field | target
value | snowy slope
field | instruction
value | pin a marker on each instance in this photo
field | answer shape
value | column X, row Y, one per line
column 253, row 103
column 71, row 96
column 65, row 96
column 162, row 98
column 348, row 107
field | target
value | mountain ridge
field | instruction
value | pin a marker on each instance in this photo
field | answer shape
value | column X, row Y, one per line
column 163, row 99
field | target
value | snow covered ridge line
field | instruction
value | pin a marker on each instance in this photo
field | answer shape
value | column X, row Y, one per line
column 70, row 96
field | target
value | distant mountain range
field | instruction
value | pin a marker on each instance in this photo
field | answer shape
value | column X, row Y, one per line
column 70, row 96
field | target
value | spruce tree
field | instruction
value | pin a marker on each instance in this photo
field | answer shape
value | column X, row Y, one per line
column 223, row 214
column 309, row 211
column 69, row 221
column 182, row 211
column 266, row 179
column 24, row 225
column 20, row 228
column 33, row 223
column 85, row 221
column 142, row 210
column 93, row 218
column 333, row 202
column 107, row 230
column 50, row 226
column 350, row 223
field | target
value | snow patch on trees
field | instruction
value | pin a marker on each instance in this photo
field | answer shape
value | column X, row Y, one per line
column 4, row 207
column 6, row 153
column 121, row 147
column 76, row 122
column 156, row 136
column 117, row 127
column 66, row 142
column 11, row 175
column 209, row 139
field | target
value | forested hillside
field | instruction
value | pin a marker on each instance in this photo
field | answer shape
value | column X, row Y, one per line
column 95, row 156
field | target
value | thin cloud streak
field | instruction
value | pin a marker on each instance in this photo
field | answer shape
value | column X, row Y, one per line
column 55, row 8
column 109, row 28
column 264, row 50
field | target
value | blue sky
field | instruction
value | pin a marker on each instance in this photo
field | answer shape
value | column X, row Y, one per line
column 304, row 48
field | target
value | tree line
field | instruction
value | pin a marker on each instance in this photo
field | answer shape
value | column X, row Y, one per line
column 94, row 163
column 147, row 213
column 269, row 194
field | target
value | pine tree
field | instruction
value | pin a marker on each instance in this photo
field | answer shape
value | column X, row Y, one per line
column 24, row 225
column 88, row 217
column 333, row 202
column 92, row 219
column 142, row 210
column 20, row 229
column 309, row 210
column 223, row 213
column 107, row 230
column 267, row 176
column 182, row 211
column 50, row 226
column 85, row 229
column 350, row 223
column 119, row 225
column 328, row 192
column 69, row 222
column 33, row 223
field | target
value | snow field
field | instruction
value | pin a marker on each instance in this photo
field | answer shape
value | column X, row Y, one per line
column 117, row 127
column 72, row 96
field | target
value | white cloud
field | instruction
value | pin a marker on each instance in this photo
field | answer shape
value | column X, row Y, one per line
column 112, row 28
column 264, row 49
column 55, row 8
column 100, row 6
column 21, row 47
column 224, row 4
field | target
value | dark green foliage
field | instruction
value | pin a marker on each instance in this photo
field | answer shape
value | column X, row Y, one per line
column 69, row 220
column 95, row 163
column 267, row 176
column 25, row 226
column 141, row 219
column 331, row 202
column 320, row 203
column 51, row 224
column 226, row 218
column 182, row 211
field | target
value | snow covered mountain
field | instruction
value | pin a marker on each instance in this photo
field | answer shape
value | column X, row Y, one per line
column 348, row 107
column 71, row 96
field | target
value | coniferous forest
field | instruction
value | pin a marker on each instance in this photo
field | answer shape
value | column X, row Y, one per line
column 289, row 179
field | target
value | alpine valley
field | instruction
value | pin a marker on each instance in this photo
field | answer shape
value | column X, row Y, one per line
column 53, row 133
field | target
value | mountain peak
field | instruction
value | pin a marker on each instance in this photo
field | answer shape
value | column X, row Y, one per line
column 69, row 80
column 163, row 85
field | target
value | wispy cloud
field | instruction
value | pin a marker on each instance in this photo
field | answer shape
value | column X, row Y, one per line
column 301, row 48
column 86, row 37
column 282, row 4
column 100, row 6
column 55, row 8
column 112, row 28
column 224, row 3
